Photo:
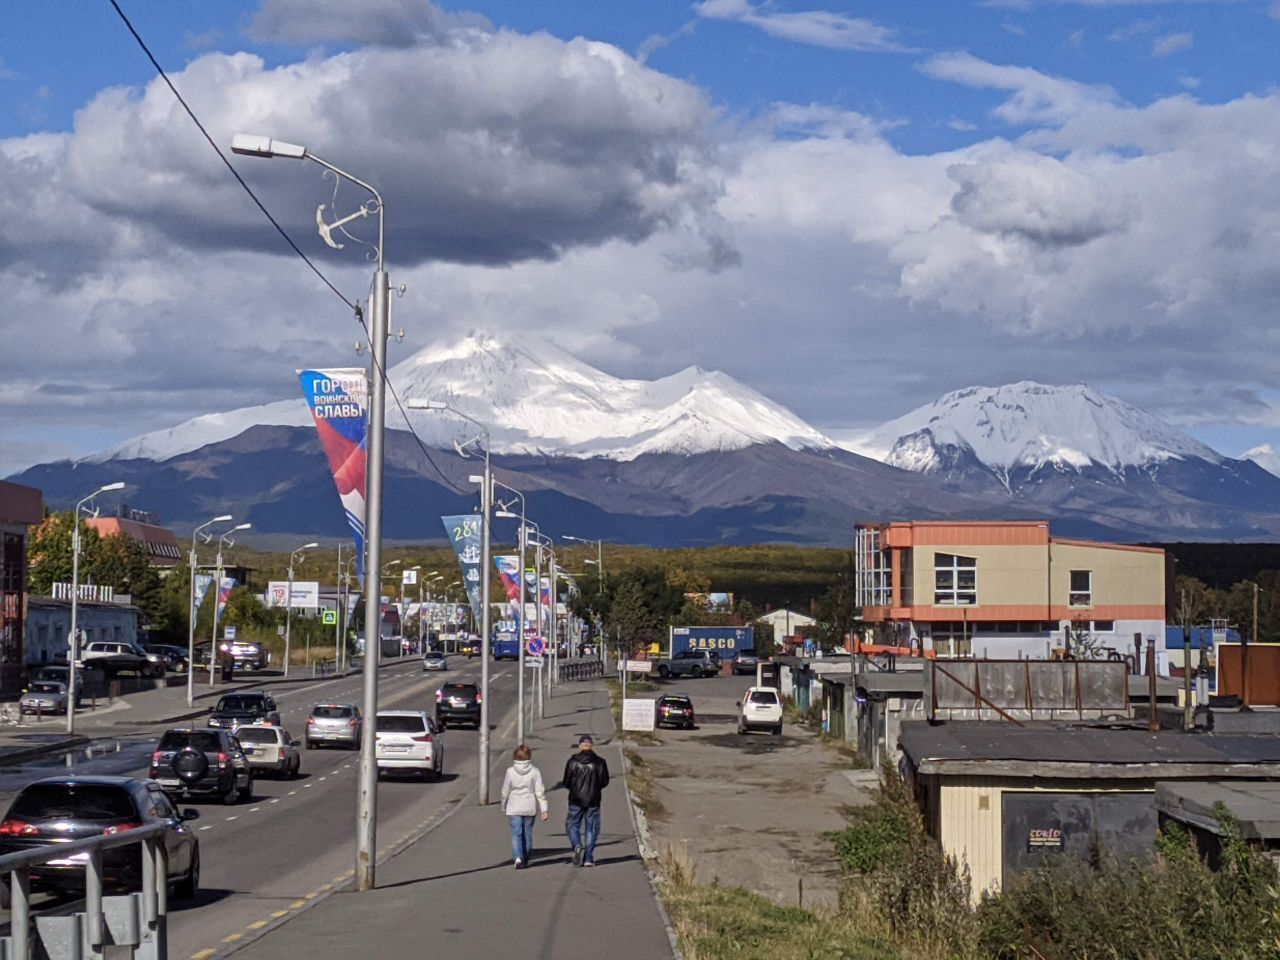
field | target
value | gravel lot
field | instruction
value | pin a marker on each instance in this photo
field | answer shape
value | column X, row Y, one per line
column 750, row 810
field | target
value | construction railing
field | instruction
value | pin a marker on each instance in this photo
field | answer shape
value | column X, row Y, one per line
column 133, row 922
column 580, row 670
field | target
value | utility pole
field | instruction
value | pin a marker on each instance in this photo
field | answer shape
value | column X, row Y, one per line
column 337, row 614
column 191, row 609
column 486, row 612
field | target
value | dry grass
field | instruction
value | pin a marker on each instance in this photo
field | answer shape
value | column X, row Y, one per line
column 642, row 781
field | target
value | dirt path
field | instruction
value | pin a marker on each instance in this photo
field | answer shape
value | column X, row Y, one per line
column 750, row 810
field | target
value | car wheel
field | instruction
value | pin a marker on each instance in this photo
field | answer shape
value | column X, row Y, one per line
column 295, row 769
column 777, row 730
column 310, row 745
column 231, row 794
column 663, row 673
column 186, row 888
column 246, row 792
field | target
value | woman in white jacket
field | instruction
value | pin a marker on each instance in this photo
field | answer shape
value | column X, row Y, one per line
column 523, row 797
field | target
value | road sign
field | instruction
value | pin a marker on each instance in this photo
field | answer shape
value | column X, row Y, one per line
column 533, row 662
column 637, row 666
column 638, row 714
column 229, row 633
column 535, row 646
column 329, row 618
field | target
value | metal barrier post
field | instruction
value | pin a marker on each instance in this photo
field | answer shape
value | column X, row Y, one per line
column 93, row 899
column 20, row 912
column 161, row 873
column 149, row 881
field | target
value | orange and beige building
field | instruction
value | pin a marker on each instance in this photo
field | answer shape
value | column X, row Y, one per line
column 1004, row 589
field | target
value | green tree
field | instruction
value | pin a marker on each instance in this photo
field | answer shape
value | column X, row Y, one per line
column 49, row 552
column 836, row 611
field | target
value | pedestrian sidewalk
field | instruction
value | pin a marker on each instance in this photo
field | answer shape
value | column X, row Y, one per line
column 455, row 892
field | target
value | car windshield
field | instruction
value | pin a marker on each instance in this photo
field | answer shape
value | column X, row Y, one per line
column 433, row 655
column 746, row 653
column 243, row 704
column 764, row 696
column 203, row 740
column 674, row 702
column 46, row 688
column 459, row 689
column 401, row 724
column 257, row 735
column 331, row 713
column 73, row 801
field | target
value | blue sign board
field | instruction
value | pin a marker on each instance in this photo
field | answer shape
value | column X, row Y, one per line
column 725, row 641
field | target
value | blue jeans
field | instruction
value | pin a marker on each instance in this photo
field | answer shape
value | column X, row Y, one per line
column 521, row 838
column 589, row 819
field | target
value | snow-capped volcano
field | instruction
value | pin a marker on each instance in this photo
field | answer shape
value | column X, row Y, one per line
column 1025, row 426
column 534, row 399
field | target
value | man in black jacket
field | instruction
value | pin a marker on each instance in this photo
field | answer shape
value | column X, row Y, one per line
column 585, row 776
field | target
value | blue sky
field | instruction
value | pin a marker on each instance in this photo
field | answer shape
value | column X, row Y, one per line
column 938, row 193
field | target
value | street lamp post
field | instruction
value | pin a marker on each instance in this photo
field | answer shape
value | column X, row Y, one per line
column 191, row 609
column 288, row 608
column 598, row 562
column 73, row 642
column 224, row 540
column 366, row 795
column 486, row 612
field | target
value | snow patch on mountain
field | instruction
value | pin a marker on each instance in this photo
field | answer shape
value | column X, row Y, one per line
column 534, row 399
column 1030, row 425
column 1265, row 456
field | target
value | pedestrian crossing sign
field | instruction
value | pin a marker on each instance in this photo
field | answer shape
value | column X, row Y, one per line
column 329, row 617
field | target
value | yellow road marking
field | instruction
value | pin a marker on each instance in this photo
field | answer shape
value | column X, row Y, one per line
column 257, row 924
column 327, row 886
column 232, row 938
column 203, row 954
column 296, row 904
column 278, row 914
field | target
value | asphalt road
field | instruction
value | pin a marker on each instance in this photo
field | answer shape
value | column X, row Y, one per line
column 294, row 839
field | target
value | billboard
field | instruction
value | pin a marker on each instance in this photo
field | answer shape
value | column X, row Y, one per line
column 306, row 594
column 339, row 402
column 725, row 641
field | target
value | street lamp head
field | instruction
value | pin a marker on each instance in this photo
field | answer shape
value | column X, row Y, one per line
column 222, row 519
column 417, row 403
column 118, row 485
column 255, row 145
column 240, row 526
column 506, row 515
column 591, row 562
column 309, row 546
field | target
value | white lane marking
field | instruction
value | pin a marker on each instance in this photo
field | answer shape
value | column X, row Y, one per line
column 254, row 809
column 293, row 793
column 236, row 817
column 323, row 779
column 207, row 826
column 306, row 786
column 276, row 800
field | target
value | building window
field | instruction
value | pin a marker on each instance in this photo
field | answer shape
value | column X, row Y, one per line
column 1104, row 626
column 1081, row 588
column 873, row 573
column 955, row 580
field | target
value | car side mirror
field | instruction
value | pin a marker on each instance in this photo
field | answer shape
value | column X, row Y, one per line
column 189, row 814
column 295, row 743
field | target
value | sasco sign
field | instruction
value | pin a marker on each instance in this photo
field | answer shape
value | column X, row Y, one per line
column 725, row 641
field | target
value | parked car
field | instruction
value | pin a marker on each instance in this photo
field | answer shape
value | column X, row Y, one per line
column 760, row 709
column 675, row 710
column 115, row 657
column 434, row 660
column 745, row 661
column 245, row 708
column 202, row 763
column 44, row 696
column 248, row 655
column 90, row 680
column 458, row 703
column 270, row 750
column 63, row 809
column 409, row 740
column 690, row 663
column 175, row 657
column 338, row 723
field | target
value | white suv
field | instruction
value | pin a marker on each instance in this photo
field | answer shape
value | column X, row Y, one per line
column 760, row 709
column 409, row 740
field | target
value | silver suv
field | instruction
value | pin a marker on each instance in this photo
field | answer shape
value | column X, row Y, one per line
column 338, row 723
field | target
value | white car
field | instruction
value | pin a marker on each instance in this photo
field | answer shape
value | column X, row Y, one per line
column 409, row 740
column 760, row 709
column 270, row 750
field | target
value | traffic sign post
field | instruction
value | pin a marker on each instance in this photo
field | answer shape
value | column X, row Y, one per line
column 329, row 618
column 535, row 646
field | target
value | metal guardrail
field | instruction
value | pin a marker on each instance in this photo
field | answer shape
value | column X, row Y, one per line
column 324, row 668
column 580, row 670
column 106, row 921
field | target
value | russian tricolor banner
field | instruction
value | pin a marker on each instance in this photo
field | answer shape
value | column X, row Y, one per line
column 339, row 402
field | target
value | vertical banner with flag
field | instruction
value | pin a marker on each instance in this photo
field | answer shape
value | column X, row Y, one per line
column 203, row 582
column 339, row 402
column 224, row 591
column 509, row 573
column 465, row 533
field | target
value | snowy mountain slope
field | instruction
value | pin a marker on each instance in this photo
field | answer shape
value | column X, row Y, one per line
column 1026, row 426
column 537, row 400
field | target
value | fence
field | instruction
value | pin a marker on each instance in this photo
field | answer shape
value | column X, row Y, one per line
column 1018, row 690
column 580, row 670
column 324, row 668
column 132, row 925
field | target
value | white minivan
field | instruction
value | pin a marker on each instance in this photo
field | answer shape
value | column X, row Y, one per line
column 409, row 740
column 760, row 709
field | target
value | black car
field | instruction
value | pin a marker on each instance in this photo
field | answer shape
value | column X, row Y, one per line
column 675, row 710
column 175, row 657
column 62, row 809
column 458, row 703
column 202, row 763
column 745, row 661
column 245, row 708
